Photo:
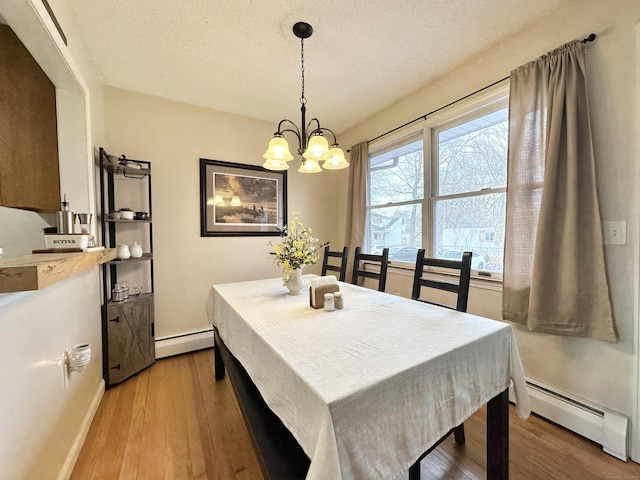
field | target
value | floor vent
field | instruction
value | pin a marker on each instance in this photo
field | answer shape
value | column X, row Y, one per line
column 183, row 343
column 603, row 426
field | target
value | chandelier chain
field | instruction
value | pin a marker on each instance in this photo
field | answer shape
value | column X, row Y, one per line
column 303, row 100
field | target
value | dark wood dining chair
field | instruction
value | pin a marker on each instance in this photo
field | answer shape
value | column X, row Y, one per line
column 462, row 270
column 342, row 268
column 359, row 271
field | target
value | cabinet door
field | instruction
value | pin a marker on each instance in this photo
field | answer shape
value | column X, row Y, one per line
column 29, row 174
column 130, row 333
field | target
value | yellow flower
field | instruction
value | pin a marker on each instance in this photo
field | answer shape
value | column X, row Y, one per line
column 298, row 247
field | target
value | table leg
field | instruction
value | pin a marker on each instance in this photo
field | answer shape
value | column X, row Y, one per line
column 217, row 357
column 498, row 437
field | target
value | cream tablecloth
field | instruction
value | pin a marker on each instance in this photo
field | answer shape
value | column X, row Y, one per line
column 365, row 390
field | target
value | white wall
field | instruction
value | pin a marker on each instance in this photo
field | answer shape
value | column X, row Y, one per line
column 173, row 136
column 42, row 423
column 40, row 419
column 596, row 371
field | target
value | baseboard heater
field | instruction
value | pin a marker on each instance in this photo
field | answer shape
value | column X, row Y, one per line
column 602, row 426
column 184, row 343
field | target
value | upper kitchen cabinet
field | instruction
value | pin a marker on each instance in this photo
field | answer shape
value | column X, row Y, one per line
column 29, row 172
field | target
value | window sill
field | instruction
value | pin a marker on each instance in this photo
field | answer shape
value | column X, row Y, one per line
column 477, row 280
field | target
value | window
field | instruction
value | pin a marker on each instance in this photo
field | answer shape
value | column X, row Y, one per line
column 396, row 196
column 443, row 187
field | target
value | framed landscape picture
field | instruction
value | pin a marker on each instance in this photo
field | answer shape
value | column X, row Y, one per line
column 241, row 200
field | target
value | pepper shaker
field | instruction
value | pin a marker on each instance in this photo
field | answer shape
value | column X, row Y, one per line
column 338, row 301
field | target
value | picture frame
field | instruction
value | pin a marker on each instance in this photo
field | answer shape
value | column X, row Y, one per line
column 241, row 200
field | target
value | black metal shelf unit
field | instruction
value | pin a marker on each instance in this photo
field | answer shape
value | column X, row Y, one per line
column 128, row 327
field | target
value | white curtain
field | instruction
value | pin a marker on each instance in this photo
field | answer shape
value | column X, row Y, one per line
column 554, row 270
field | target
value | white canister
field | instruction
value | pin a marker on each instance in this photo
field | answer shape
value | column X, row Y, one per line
column 136, row 250
column 122, row 251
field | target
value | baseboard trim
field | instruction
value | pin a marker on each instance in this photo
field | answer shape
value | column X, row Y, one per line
column 74, row 452
column 184, row 343
column 599, row 424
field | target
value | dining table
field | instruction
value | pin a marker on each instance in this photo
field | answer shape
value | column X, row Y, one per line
column 366, row 389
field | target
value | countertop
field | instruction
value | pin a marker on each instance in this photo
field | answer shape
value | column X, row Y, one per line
column 39, row 270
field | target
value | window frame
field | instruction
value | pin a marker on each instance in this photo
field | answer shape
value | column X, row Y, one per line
column 482, row 103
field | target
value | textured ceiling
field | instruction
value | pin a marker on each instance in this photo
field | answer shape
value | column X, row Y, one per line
column 242, row 57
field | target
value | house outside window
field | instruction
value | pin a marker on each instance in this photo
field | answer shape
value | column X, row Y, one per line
column 442, row 186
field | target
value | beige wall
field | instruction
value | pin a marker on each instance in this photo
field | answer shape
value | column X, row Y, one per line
column 174, row 136
column 597, row 371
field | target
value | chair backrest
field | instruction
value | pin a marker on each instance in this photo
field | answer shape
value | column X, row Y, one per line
column 383, row 262
column 342, row 268
column 462, row 268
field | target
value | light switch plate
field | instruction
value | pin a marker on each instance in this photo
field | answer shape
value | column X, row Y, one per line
column 615, row 232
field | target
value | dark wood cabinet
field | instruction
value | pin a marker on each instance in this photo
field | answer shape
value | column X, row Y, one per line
column 29, row 172
column 131, row 339
column 128, row 326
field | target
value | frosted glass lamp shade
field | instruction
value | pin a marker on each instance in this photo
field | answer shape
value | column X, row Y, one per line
column 275, row 165
column 318, row 148
column 310, row 166
column 235, row 201
column 220, row 201
column 278, row 150
column 337, row 160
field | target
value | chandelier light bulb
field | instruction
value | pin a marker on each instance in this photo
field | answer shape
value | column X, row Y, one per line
column 275, row 165
column 337, row 160
column 318, row 148
column 278, row 149
column 310, row 166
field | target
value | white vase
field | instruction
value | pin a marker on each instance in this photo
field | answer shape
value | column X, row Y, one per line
column 296, row 283
column 122, row 251
column 136, row 250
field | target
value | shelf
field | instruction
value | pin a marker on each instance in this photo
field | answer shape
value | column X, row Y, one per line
column 127, row 167
column 128, row 327
column 120, row 220
column 39, row 270
column 131, row 300
column 145, row 257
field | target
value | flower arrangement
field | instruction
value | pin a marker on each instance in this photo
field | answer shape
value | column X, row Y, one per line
column 298, row 247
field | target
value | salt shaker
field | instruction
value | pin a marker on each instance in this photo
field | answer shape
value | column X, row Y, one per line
column 337, row 300
column 328, row 302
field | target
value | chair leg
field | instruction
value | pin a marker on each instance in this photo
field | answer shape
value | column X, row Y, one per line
column 458, row 434
column 414, row 471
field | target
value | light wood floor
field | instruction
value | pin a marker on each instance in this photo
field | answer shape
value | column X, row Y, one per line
column 174, row 422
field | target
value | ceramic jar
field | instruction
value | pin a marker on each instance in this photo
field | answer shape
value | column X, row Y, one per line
column 136, row 250
column 122, row 251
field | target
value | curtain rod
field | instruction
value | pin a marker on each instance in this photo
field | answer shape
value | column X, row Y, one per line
column 590, row 38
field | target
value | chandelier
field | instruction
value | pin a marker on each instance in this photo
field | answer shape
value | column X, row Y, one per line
column 312, row 144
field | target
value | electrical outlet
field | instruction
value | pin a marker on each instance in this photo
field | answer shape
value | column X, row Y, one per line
column 615, row 232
